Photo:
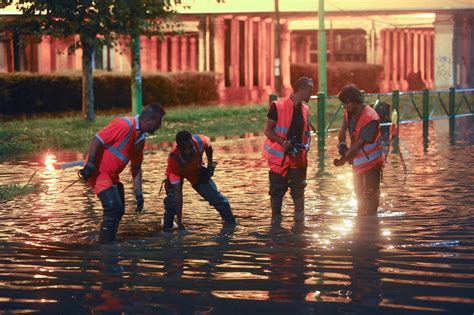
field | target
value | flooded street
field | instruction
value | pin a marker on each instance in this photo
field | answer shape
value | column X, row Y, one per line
column 416, row 257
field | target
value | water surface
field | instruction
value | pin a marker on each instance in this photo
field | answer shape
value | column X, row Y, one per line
column 416, row 257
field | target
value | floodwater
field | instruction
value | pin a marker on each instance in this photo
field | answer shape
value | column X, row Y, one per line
column 416, row 257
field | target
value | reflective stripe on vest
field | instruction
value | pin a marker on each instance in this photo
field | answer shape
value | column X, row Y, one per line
column 116, row 151
column 279, row 129
column 363, row 159
column 274, row 151
column 370, row 155
column 199, row 142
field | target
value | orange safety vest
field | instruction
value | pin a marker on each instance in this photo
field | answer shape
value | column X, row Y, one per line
column 273, row 151
column 190, row 169
column 119, row 153
column 370, row 155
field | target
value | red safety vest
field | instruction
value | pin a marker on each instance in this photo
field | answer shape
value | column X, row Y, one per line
column 273, row 151
column 117, row 154
column 120, row 139
column 187, row 169
column 370, row 155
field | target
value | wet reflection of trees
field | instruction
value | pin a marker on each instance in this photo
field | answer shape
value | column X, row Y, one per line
column 366, row 282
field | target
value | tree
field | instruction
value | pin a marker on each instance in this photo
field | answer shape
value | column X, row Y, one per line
column 85, row 20
column 147, row 17
column 95, row 24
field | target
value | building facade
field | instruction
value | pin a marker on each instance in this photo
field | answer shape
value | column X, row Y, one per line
column 435, row 47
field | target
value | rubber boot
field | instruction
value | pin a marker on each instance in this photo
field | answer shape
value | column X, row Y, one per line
column 113, row 212
column 372, row 205
column 299, row 208
column 108, row 230
column 170, row 212
column 276, row 204
column 226, row 214
column 121, row 191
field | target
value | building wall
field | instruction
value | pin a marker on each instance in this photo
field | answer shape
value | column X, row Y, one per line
column 434, row 49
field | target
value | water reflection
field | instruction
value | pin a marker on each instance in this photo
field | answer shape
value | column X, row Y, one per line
column 417, row 256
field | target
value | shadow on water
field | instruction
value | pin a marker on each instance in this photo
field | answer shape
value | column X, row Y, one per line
column 416, row 257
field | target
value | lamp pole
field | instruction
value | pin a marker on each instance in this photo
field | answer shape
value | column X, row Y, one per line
column 322, row 51
column 277, row 70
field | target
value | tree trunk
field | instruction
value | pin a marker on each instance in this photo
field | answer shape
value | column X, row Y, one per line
column 136, row 75
column 87, row 83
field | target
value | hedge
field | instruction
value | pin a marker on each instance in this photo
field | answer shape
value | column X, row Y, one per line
column 52, row 93
column 364, row 76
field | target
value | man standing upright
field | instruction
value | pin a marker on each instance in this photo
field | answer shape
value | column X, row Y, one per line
column 122, row 140
column 288, row 139
column 365, row 151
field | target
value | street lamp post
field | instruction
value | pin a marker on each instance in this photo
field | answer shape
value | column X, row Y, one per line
column 322, row 51
column 277, row 70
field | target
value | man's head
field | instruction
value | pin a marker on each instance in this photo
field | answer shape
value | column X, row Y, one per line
column 151, row 118
column 303, row 88
column 351, row 98
column 184, row 141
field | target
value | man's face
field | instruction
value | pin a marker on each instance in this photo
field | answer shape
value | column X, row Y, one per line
column 187, row 150
column 152, row 124
column 350, row 107
column 307, row 91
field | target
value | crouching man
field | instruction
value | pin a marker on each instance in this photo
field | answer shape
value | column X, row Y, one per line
column 186, row 162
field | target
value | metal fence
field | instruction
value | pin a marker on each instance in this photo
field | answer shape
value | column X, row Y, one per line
column 411, row 107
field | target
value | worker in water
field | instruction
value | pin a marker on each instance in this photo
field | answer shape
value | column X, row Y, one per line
column 122, row 140
column 365, row 151
column 186, row 162
column 286, row 147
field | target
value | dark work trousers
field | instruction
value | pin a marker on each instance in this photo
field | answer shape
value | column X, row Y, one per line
column 367, row 190
column 210, row 193
column 296, row 181
column 113, row 202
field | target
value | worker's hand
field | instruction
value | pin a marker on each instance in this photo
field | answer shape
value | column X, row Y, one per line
column 140, row 201
column 342, row 147
column 285, row 144
column 86, row 172
column 211, row 167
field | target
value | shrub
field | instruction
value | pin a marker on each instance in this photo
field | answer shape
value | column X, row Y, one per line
column 364, row 76
column 61, row 92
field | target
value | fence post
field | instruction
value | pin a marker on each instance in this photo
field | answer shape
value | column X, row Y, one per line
column 321, row 119
column 426, row 117
column 396, row 106
column 452, row 111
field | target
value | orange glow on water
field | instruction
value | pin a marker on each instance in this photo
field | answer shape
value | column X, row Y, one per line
column 49, row 161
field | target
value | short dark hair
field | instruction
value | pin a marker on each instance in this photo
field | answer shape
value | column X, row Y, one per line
column 302, row 82
column 351, row 93
column 153, row 109
column 183, row 137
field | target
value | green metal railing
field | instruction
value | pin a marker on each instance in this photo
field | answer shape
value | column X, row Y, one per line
column 417, row 106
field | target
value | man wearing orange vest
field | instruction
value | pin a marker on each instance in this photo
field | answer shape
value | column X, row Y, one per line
column 365, row 151
column 185, row 162
column 122, row 140
column 287, row 144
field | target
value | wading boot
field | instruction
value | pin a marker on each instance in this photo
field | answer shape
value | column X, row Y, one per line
column 276, row 204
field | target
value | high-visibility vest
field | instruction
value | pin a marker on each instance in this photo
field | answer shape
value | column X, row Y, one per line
column 273, row 151
column 190, row 169
column 116, row 155
column 370, row 155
